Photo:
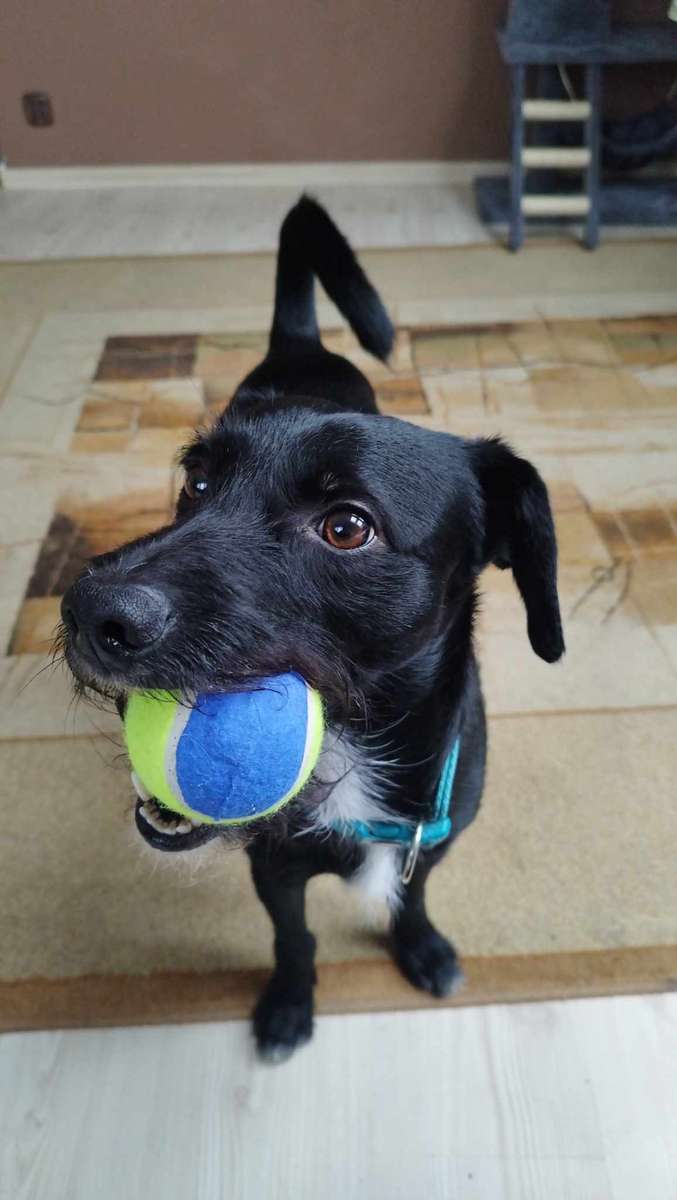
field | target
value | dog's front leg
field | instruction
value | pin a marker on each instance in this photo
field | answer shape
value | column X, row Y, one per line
column 283, row 1017
column 423, row 955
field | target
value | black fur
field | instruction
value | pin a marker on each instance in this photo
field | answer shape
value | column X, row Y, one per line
column 242, row 585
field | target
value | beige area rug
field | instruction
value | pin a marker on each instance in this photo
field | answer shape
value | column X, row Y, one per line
column 566, row 884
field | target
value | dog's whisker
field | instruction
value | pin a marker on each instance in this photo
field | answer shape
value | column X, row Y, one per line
column 49, row 666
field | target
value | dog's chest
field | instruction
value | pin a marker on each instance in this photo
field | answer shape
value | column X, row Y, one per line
column 356, row 796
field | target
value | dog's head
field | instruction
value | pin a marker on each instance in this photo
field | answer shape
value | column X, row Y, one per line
column 344, row 546
column 335, row 544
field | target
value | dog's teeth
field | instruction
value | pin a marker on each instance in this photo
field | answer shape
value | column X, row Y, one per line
column 152, row 814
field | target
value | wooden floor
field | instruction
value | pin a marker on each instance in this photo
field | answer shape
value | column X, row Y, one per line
column 151, row 220
column 564, row 1101
column 97, row 222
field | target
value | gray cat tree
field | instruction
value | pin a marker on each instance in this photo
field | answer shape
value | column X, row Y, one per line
column 554, row 173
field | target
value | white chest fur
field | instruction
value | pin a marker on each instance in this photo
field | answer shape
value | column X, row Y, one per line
column 357, row 796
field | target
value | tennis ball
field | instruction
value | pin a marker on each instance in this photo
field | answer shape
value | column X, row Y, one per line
column 227, row 758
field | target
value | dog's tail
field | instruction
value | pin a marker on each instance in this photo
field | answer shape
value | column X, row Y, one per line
column 310, row 245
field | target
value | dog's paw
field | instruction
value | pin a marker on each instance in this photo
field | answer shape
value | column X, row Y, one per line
column 430, row 962
column 282, row 1023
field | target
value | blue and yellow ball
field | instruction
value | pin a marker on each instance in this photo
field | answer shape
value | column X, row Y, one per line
column 226, row 758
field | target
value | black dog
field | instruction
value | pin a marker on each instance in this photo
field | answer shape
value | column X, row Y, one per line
column 315, row 534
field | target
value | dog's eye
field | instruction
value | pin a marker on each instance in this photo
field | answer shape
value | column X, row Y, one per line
column 347, row 529
column 196, row 484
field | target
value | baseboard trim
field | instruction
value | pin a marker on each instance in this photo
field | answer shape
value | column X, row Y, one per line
column 297, row 175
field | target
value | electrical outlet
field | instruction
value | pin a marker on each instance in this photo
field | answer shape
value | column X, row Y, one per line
column 37, row 108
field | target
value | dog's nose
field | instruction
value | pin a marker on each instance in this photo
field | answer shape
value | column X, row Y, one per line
column 114, row 618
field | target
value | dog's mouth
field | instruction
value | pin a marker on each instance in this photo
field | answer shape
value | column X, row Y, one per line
column 166, row 830
column 94, row 680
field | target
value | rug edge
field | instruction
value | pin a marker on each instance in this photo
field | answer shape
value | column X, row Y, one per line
column 370, row 985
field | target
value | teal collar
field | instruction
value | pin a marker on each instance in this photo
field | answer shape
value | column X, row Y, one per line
column 426, row 833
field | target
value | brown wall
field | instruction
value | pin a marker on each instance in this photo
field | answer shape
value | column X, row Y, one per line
column 154, row 81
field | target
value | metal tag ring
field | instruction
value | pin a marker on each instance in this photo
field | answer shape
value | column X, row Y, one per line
column 412, row 855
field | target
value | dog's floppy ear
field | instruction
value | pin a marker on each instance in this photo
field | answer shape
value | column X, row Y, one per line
column 519, row 533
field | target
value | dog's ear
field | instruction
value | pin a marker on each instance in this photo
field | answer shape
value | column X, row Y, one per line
column 519, row 533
